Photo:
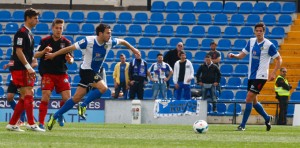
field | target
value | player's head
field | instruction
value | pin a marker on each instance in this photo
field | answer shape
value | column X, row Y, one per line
column 160, row 58
column 283, row 71
column 213, row 45
column 182, row 55
column 57, row 27
column 179, row 46
column 103, row 31
column 259, row 30
column 207, row 59
column 122, row 58
column 31, row 17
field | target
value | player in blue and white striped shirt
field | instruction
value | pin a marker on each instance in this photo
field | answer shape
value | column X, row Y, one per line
column 261, row 50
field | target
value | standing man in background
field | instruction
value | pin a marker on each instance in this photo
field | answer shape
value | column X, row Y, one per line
column 282, row 90
column 121, row 77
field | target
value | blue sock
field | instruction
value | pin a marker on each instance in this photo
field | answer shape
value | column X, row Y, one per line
column 246, row 114
column 67, row 106
column 22, row 117
column 12, row 104
column 92, row 95
column 258, row 107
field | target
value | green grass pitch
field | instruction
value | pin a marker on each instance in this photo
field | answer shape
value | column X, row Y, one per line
column 141, row 136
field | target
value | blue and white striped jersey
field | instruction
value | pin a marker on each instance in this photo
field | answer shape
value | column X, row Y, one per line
column 260, row 55
column 94, row 53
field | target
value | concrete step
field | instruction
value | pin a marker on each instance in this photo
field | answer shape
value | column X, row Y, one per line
column 288, row 65
column 266, row 98
column 293, row 34
column 286, row 52
column 270, row 111
column 289, row 46
column 297, row 22
column 291, row 40
column 295, row 28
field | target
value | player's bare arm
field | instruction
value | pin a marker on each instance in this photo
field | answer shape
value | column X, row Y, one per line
column 34, row 63
column 125, row 43
column 21, row 56
column 39, row 54
column 60, row 52
column 69, row 58
column 241, row 55
column 278, row 62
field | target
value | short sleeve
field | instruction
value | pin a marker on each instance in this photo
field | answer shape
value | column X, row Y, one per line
column 19, row 40
column 246, row 50
column 272, row 51
column 114, row 41
column 82, row 44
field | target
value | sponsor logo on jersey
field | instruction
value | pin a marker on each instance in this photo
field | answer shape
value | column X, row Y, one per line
column 62, row 45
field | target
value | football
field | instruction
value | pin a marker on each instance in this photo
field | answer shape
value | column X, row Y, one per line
column 200, row 126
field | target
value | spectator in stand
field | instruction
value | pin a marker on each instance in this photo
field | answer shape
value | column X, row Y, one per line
column 214, row 53
column 121, row 77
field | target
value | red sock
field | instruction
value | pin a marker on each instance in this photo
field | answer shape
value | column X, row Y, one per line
column 28, row 100
column 43, row 111
column 61, row 103
column 17, row 112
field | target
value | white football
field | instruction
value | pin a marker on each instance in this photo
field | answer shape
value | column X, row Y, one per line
column 200, row 126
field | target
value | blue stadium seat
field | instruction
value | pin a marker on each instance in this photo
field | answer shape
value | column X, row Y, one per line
column 223, row 82
column 196, row 67
column 226, row 95
column 290, row 110
column 246, row 8
column 18, row 16
column 182, row 31
column 215, row 7
column 131, row 41
column 221, row 109
column 148, row 93
column 269, row 20
column 230, row 32
column 173, row 42
column 201, row 7
column 277, row 33
column 1, row 80
column 205, row 44
column 110, row 56
column 112, row 66
column 77, row 17
column 152, row 55
column 220, row 19
column 267, row 32
column 125, row 18
column 209, row 108
column 5, row 41
column 284, row 20
column 160, row 43
column 63, row 15
column 246, row 32
column 72, row 68
column 151, row 30
column 78, row 38
column 275, row 42
column 295, row 97
column 240, row 70
column 70, row 38
column 47, row 16
column 140, row 18
column 41, row 28
column 1, row 29
column 77, row 55
column 158, row 6
column 259, row 8
column 93, row 17
column 2, row 63
column 199, row 57
column 11, row 28
column 87, row 29
column 230, row 110
column 145, row 43
column 1, row 54
column 72, row 29
column 119, row 30
column 187, row 7
column 189, row 56
column 143, row 55
column 198, row 31
column 166, row 31
column 172, row 18
column 105, row 66
column 172, row 6
column 110, row 81
column 191, row 44
column 214, row 32
column 274, row 8
column 109, row 17
column 37, row 39
column 123, row 51
column 224, row 45
column 156, row 18
column 188, row 19
column 233, row 83
column 237, row 20
column 241, row 95
column 38, row 93
column 288, row 8
column 8, row 52
column 134, row 30
column 5, row 16
column 245, row 84
column 226, row 69
column 230, row 7
column 252, row 20
column 204, row 19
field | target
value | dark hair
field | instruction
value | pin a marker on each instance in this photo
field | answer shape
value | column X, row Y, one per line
column 261, row 24
column 122, row 55
column 159, row 54
column 30, row 13
column 213, row 42
column 101, row 27
column 57, row 21
column 208, row 56
column 181, row 52
column 281, row 69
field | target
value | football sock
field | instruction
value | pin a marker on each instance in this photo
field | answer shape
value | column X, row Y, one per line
column 12, row 104
column 67, row 106
column 92, row 95
column 19, row 108
column 43, row 111
column 246, row 114
column 28, row 105
column 258, row 107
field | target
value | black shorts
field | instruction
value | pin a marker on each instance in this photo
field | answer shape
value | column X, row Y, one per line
column 12, row 88
column 256, row 85
column 88, row 77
